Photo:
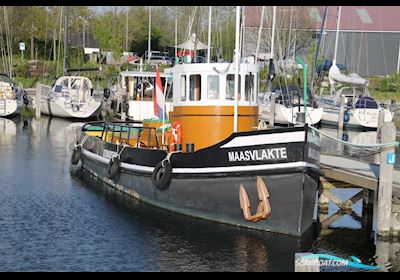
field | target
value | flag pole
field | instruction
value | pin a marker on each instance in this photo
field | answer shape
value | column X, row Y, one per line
column 163, row 115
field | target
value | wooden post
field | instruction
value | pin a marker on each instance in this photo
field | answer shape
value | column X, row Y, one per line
column 307, row 265
column 272, row 110
column 388, row 134
column 341, row 112
column 123, row 107
column 381, row 122
column 37, row 99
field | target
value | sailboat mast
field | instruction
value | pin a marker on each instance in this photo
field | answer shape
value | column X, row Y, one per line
column 237, row 60
column 317, row 50
column 273, row 32
column 398, row 60
column 271, row 68
column 126, row 29
column 337, row 35
column 259, row 33
column 209, row 36
column 65, row 66
column 149, row 41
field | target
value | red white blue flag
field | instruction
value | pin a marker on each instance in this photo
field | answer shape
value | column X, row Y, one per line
column 159, row 106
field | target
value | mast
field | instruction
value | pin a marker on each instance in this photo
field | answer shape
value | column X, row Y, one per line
column 149, row 41
column 337, row 35
column 237, row 65
column 317, row 50
column 259, row 33
column 65, row 66
column 126, row 30
column 398, row 60
column 176, row 40
column 209, row 36
column 271, row 69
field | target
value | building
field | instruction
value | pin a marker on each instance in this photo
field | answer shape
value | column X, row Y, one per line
column 86, row 41
column 369, row 37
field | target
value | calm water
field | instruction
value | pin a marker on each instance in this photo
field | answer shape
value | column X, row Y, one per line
column 52, row 219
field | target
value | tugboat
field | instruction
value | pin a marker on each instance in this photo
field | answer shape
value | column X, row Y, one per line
column 260, row 179
column 213, row 163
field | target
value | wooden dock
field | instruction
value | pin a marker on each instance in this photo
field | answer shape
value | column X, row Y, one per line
column 356, row 173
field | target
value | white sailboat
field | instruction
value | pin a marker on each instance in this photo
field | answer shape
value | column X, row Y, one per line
column 361, row 110
column 70, row 97
column 11, row 100
column 289, row 100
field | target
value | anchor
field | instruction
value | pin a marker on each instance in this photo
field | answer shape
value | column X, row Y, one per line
column 263, row 208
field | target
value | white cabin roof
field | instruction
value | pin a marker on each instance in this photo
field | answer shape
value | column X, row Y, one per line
column 142, row 74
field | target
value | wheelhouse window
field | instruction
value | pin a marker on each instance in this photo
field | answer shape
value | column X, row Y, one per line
column 230, row 87
column 249, row 87
column 195, row 88
column 183, row 88
column 213, row 87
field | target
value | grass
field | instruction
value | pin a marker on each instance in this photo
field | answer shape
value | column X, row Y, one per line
column 384, row 95
column 28, row 112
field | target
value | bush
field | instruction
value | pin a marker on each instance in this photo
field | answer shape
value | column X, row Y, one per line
column 385, row 84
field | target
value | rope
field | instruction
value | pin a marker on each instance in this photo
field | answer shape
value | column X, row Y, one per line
column 382, row 145
column 83, row 141
column 168, row 157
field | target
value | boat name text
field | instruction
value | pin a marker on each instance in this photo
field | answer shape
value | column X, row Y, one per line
column 258, row 155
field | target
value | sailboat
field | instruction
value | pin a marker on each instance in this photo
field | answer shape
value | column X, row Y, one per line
column 213, row 163
column 289, row 99
column 11, row 97
column 70, row 96
column 361, row 110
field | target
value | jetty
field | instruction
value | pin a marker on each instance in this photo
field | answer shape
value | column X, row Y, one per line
column 379, row 183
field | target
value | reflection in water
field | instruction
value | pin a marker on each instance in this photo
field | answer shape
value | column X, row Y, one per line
column 8, row 129
column 54, row 218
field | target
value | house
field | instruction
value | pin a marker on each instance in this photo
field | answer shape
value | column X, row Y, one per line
column 86, row 41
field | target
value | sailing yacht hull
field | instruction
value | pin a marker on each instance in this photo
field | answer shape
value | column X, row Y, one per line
column 287, row 115
column 10, row 107
column 61, row 108
column 357, row 118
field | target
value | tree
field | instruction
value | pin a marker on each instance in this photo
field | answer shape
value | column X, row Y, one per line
column 108, row 29
column 29, row 22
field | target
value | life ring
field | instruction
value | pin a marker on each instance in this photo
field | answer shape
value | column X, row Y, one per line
column 162, row 175
column 76, row 155
column 175, row 135
column 113, row 167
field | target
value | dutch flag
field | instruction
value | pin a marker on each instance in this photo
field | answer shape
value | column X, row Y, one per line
column 159, row 106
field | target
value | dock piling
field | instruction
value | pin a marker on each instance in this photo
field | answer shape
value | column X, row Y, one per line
column 381, row 122
column 272, row 110
column 384, row 215
column 37, row 99
column 123, row 107
column 341, row 112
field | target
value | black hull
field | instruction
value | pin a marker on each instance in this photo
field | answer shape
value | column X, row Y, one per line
column 215, row 195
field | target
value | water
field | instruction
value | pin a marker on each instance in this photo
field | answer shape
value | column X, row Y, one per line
column 54, row 219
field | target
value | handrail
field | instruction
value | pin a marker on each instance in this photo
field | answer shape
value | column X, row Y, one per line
column 123, row 127
column 381, row 145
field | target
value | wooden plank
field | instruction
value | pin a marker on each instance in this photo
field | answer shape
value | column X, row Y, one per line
column 356, row 173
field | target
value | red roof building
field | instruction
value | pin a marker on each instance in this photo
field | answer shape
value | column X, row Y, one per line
column 369, row 37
